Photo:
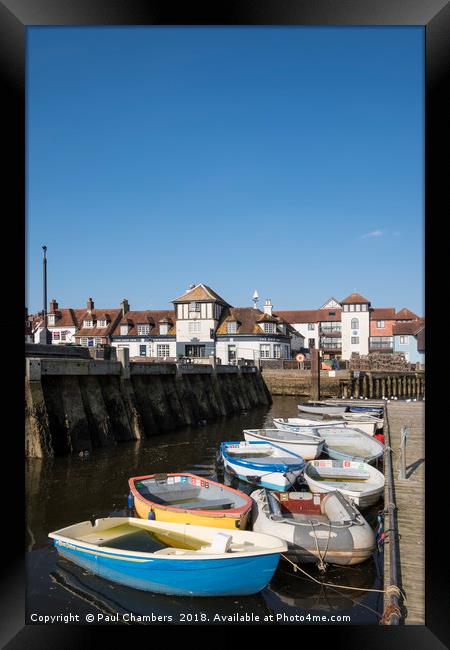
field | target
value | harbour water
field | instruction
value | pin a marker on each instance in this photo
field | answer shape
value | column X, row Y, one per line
column 66, row 490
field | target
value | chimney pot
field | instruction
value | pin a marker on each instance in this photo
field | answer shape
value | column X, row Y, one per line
column 90, row 304
column 125, row 306
column 53, row 305
column 268, row 307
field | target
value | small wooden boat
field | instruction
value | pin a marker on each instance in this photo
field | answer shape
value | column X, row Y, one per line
column 168, row 558
column 320, row 408
column 323, row 527
column 261, row 463
column 297, row 424
column 306, row 442
column 359, row 482
column 188, row 499
column 351, row 444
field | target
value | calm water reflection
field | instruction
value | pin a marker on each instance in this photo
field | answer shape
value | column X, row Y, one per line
column 63, row 491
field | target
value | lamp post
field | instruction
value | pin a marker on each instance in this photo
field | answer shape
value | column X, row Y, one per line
column 45, row 336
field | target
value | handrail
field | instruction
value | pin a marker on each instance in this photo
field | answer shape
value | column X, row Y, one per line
column 391, row 612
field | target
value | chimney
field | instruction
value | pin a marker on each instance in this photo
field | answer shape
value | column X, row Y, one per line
column 53, row 305
column 90, row 304
column 268, row 307
column 125, row 306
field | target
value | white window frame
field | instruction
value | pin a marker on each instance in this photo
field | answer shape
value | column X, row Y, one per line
column 63, row 335
column 84, row 341
column 102, row 323
column 311, row 327
column 194, row 326
column 380, row 324
column 269, row 328
column 352, row 326
column 264, row 350
column 405, row 340
column 277, row 350
column 124, row 329
column 88, row 323
column 51, row 319
column 352, row 307
column 164, row 328
column 355, row 340
column 159, row 348
column 143, row 329
column 231, row 327
column 358, row 308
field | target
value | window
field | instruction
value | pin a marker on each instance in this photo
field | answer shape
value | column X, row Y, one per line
column 142, row 350
column 354, row 324
column 357, row 307
column 310, row 326
column 123, row 330
column 231, row 327
column 63, row 336
column 355, row 340
column 352, row 307
column 98, row 340
column 264, row 351
column 381, row 342
column 194, row 326
column 142, row 330
column 163, row 328
column 404, row 340
column 331, row 313
column 276, row 350
column 90, row 342
column 162, row 350
column 101, row 323
column 345, row 307
column 51, row 319
column 88, row 323
column 83, row 340
column 363, row 307
column 380, row 324
column 56, row 336
column 194, row 306
column 269, row 328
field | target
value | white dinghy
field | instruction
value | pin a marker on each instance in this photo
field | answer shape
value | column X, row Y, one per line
column 359, row 482
column 342, row 443
column 295, row 424
column 307, row 443
column 319, row 408
column 324, row 527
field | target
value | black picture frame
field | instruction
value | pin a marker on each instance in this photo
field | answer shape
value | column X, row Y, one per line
column 16, row 16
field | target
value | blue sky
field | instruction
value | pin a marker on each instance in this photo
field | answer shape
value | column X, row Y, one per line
column 289, row 160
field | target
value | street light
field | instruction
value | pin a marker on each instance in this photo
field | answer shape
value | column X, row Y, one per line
column 45, row 336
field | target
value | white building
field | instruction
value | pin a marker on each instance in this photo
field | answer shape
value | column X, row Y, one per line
column 62, row 324
column 355, row 319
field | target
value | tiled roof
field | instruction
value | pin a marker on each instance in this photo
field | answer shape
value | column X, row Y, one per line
column 383, row 313
column 247, row 319
column 64, row 318
column 200, row 292
column 110, row 315
column 311, row 315
column 150, row 317
column 406, row 314
column 411, row 328
column 354, row 298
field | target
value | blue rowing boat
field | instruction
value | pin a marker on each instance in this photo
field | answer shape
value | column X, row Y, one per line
column 171, row 558
column 264, row 464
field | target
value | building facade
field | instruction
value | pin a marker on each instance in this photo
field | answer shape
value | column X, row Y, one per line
column 409, row 338
column 339, row 329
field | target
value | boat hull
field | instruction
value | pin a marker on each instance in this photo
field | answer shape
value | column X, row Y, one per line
column 205, row 577
column 270, row 480
column 322, row 410
column 161, row 514
column 306, row 451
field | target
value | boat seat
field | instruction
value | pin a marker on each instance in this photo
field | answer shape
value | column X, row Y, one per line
column 208, row 505
column 172, row 551
column 221, row 543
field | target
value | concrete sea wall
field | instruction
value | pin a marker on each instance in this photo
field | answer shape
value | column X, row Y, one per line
column 298, row 382
column 75, row 405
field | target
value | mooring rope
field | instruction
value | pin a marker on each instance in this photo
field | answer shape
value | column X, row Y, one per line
column 391, row 589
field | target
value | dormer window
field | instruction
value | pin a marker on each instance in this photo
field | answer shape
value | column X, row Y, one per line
column 124, row 329
column 88, row 323
column 101, row 323
column 51, row 319
column 142, row 330
column 164, row 328
column 232, row 327
column 269, row 328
